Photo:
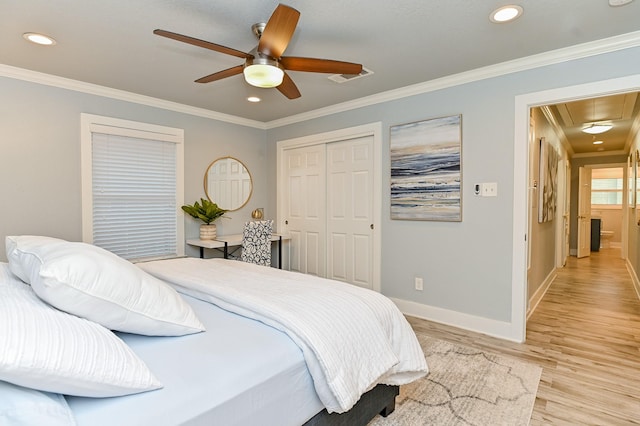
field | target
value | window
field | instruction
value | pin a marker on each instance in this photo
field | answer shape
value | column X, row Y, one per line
column 607, row 187
column 132, row 180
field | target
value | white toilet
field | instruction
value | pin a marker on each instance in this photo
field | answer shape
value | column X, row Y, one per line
column 605, row 239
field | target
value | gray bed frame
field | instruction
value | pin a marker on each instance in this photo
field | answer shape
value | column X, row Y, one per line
column 379, row 400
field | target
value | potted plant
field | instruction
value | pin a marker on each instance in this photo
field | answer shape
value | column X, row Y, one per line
column 207, row 211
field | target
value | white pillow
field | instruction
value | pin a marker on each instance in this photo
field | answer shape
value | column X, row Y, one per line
column 93, row 283
column 27, row 407
column 45, row 349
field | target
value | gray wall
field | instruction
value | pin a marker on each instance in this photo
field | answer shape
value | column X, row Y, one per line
column 40, row 158
column 466, row 266
column 543, row 235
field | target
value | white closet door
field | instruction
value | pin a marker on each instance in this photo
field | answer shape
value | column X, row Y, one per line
column 305, row 205
column 350, row 211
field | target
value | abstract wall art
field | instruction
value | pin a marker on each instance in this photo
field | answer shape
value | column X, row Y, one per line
column 548, row 181
column 426, row 170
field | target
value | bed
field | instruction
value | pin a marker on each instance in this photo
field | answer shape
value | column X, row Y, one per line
column 263, row 359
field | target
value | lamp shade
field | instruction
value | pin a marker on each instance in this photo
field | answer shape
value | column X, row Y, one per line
column 263, row 73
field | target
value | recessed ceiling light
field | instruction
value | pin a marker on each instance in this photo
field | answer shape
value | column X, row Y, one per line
column 614, row 3
column 505, row 14
column 253, row 99
column 39, row 39
column 598, row 142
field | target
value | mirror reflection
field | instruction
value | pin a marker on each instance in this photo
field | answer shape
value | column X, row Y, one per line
column 227, row 182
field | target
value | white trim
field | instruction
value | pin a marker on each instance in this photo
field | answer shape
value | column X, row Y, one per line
column 372, row 129
column 121, row 95
column 499, row 329
column 520, row 174
column 611, row 44
column 90, row 123
column 534, row 301
column 584, row 50
column 634, row 278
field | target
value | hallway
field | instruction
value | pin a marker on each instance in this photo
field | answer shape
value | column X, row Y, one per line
column 589, row 327
column 585, row 334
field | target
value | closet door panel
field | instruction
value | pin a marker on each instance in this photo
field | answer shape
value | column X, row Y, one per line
column 305, row 205
column 350, row 218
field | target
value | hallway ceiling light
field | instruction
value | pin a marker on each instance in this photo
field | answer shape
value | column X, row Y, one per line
column 597, row 128
column 41, row 39
column 505, row 14
column 598, row 142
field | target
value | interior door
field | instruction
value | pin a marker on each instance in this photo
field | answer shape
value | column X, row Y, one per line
column 584, row 212
column 305, row 205
column 350, row 211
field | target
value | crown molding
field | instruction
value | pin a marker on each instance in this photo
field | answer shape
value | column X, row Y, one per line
column 621, row 42
column 612, row 44
column 121, row 95
column 599, row 154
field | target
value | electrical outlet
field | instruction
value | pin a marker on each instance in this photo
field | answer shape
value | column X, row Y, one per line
column 418, row 283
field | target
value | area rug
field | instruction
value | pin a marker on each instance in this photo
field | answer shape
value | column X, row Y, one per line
column 466, row 386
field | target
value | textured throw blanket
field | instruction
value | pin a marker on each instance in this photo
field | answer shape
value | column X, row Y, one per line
column 351, row 338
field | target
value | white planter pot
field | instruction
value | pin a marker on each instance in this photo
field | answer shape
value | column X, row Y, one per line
column 207, row 232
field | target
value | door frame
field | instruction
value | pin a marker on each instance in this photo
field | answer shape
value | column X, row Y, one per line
column 562, row 212
column 625, row 201
column 366, row 130
column 523, row 103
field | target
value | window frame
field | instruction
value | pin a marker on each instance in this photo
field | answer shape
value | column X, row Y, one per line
column 620, row 191
column 90, row 124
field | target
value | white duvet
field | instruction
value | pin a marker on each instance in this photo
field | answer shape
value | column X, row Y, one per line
column 351, row 338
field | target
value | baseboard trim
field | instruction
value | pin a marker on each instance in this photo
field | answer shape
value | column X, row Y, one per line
column 500, row 329
column 634, row 278
column 540, row 292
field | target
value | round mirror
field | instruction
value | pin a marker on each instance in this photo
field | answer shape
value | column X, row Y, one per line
column 227, row 182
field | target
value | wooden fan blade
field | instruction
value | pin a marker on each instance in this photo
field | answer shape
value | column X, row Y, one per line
column 320, row 65
column 221, row 74
column 278, row 32
column 202, row 43
column 288, row 88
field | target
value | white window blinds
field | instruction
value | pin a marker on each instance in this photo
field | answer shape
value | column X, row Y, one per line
column 134, row 196
column 132, row 187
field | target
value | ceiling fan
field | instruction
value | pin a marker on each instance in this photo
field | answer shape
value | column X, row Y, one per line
column 265, row 66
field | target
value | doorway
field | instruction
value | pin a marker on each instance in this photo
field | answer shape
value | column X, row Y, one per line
column 609, row 199
column 523, row 104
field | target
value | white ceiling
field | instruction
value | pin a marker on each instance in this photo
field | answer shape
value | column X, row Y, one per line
column 404, row 42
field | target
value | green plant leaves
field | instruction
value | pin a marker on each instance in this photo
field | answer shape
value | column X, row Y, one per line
column 207, row 211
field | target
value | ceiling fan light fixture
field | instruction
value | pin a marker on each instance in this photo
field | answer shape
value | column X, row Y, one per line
column 263, row 72
column 597, row 128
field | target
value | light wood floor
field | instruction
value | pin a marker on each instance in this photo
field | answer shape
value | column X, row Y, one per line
column 585, row 334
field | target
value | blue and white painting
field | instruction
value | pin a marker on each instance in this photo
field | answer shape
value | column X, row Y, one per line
column 426, row 170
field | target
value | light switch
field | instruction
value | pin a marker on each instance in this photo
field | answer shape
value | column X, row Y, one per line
column 489, row 189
